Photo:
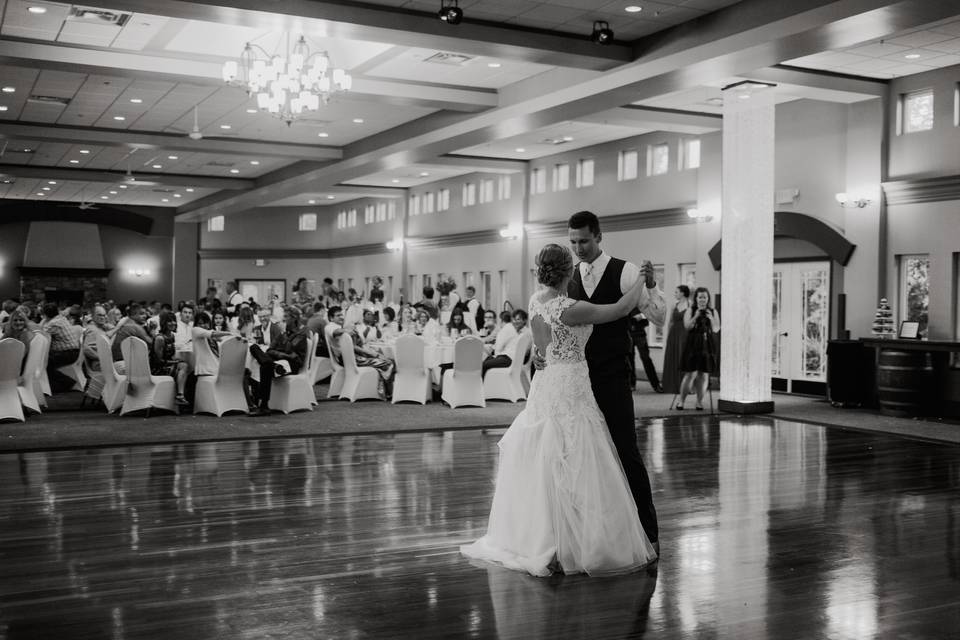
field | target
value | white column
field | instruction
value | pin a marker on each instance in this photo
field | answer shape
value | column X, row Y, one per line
column 747, row 249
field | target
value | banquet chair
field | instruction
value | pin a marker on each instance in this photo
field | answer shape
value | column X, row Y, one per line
column 412, row 382
column 223, row 392
column 322, row 365
column 336, row 378
column 114, row 384
column 145, row 391
column 507, row 383
column 11, row 357
column 294, row 392
column 463, row 385
column 36, row 372
column 74, row 370
column 359, row 383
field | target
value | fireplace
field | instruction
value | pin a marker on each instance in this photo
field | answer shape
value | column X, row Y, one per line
column 63, row 286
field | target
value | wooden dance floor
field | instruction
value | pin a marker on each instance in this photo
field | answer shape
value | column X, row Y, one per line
column 769, row 530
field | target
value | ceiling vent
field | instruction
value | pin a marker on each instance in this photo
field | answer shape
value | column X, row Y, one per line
column 219, row 163
column 49, row 100
column 164, row 190
column 452, row 59
column 97, row 16
column 556, row 141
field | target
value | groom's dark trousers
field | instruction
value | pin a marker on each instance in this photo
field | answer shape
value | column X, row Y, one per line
column 608, row 352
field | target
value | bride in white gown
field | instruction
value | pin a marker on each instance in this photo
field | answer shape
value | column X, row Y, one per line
column 562, row 502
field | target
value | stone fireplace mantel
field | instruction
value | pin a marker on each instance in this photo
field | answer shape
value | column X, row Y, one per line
column 63, row 286
column 60, row 272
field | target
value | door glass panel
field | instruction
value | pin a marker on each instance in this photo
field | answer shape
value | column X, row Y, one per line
column 816, row 292
column 777, row 347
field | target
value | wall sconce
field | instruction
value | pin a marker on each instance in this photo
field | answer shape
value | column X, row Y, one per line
column 699, row 216
column 850, row 200
column 138, row 273
column 395, row 245
column 511, row 233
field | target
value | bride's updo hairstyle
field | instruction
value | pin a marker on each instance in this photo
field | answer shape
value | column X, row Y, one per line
column 554, row 263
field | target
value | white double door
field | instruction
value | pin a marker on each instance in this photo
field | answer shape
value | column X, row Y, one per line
column 801, row 326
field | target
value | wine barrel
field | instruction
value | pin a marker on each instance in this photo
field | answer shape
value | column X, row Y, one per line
column 903, row 382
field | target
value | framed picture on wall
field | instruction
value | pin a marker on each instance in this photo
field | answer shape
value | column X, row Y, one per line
column 263, row 291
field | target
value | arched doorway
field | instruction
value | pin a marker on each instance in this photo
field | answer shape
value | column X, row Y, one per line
column 807, row 309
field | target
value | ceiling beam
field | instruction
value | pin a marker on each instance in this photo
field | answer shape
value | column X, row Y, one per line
column 394, row 26
column 656, row 119
column 784, row 74
column 477, row 163
column 168, row 142
column 78, row 59
column 114, row 177
column 730, row 42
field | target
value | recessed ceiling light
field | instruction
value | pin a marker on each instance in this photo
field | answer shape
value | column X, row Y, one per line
column 123, row 186
column 136, row 100
column 251, row 110
column 177, row 195
column 331, row 197
column 74, row 162
column 37, row 10
column 254, row 162
column 395, row 181
column 173, row 157
column 494, row 65
column 358, row 120
column 119, row 118
column 46, row 188
column 424, row 174
column 189, row 189
column 41, row 193
column 323, row 134
column 165, row 200
column 104, row 198
column 113, row 193
column 84, row 151
column 3, row 107
column 519, row 149
column 158, row 166
column 633, row 8
column 8, row 89
column 27, row 150
column 234, row 170
column 51, row 182
column 912, row 56
column 311, row 202
column 224, row 126
column 568, row 138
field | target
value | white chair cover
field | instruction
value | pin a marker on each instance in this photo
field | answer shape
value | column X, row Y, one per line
column 323, row 368
column 359, row 383
column 294, row 392
column 412, row 382
column 35, row 372
column 11, row 357
column 336, row 378
column 114, row 384
column 74, row 370
column 223, row 392
column 463, row 385
column 507, row 383
column 42, row 380
column 144, row 390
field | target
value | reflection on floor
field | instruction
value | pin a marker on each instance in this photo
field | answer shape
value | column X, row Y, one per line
column 770, row 529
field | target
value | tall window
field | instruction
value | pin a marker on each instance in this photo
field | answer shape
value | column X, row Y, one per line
column 915, row 289
column 689, row 157
column 688, row 274
column 369, row 214
column 342, row 223
column 414, row 205
column 391, row 210
column 585, row 172
column 429, row 202
column 658, row 159
column 469, row 194
column 381, row 212
column 538, row 180
column 486, row 289
column 627, row 165
column 307, row 222
column 214, row 224
column 443, row 199
column 504, row 288
column 917, row 111
column 352, row 218
column 561, row 177
column 655, row 333
column 468, row 280
column 486, row 190
column 503, row 188
column 413, row 293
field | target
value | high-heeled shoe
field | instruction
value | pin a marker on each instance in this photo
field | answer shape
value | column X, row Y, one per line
column 679, row 407
column 698, row 408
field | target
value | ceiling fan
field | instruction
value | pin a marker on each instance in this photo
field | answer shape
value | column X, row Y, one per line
column 84, row 205
column 132, row 180
column 195, row 133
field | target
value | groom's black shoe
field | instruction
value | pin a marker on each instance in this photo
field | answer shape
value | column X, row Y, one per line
column 656, row 547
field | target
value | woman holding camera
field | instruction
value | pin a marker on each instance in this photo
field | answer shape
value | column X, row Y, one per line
column 700, row 353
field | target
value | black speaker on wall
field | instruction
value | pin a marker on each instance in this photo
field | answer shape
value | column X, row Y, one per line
column 842, row 332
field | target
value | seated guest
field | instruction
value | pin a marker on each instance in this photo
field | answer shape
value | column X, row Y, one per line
column 97, row 327
column 315, row 324
column 488, row 332
column 163, row 356
column 428, row 301
column 267, row 331
column 290, row 346
column 506, row 318
column 114, row 316
column 8, row 307
column 184, row 334
column 133, row 325
column 471, row 308
column 64, row 346
column 458, row 324
column 390, row 328
column 427, row 328
column 205, row 348
column 408, row 319
column 369, row 330
column 17, row 328
column 506, row 344
column 365, row 357
column 244, row 323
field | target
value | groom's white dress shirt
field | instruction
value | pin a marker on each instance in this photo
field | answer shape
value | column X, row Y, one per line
column 651, row 301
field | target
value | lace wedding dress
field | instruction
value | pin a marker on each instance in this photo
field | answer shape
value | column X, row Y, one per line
column 561, row 494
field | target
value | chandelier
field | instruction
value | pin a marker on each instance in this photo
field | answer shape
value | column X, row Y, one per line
column 287, row 85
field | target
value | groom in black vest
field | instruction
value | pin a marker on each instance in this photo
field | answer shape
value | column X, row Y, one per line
column 602, row 279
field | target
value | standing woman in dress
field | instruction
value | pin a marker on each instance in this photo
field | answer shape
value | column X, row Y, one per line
column 676, row 339
column 700, row 353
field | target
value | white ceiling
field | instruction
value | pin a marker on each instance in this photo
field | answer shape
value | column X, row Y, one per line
column 161, row 72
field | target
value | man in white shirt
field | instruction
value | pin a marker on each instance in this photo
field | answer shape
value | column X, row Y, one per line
column 234, row 299
column 473, row 305
column 183, row 338
column 506, row 345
